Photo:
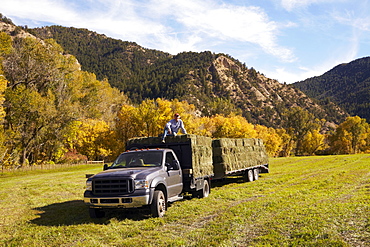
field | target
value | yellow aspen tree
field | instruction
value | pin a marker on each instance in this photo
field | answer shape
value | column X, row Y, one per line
column 126, row 123
column 312, row 142
column 350, row 136
column 233, row 127
column 271, row 139
column 95, row 139
column 203, row 126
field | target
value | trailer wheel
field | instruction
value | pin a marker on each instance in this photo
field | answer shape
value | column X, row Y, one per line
column 96, row 213
column 256, row 174
column 158, row 206
column 248, row 176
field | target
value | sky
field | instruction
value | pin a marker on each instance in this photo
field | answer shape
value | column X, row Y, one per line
column 286, row 40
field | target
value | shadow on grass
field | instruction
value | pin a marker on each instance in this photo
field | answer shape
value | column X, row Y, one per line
column 77, row 213
column 227, row 180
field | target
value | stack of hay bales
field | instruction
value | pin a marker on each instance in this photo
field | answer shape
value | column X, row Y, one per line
column 237, row 154
column 199, row 149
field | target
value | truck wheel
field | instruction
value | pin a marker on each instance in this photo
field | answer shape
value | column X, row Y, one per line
column 203, row 192
column 96, row 213
column 158, row 206
column 248, row 176
column 256, row 174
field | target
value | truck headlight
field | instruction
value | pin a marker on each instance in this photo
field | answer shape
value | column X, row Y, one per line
column 89, row 185
column 141, row 184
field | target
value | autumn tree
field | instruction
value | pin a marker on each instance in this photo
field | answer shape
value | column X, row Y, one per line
column 272, row 140
column 299, row 123
column 94, row 139
column 232, row 127
column 47, row 92
column 312, row 142
column 350, row 137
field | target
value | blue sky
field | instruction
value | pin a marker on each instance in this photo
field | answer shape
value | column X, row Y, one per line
column 287, row 40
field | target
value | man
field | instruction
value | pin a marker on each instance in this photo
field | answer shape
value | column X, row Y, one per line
column 173, row 126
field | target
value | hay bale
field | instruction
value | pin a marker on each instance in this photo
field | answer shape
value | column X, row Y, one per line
column 199, row 149
column 237, row 154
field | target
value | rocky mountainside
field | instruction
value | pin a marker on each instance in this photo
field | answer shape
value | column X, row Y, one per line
column 215, row 83
column 348, row 85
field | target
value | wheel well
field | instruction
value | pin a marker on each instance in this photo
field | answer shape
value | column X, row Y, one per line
column 162, row 188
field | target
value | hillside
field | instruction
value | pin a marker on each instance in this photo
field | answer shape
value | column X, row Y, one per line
column 215, row 83
column 348, row 85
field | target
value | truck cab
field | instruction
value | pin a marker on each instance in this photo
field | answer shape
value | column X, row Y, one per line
column 137, row 178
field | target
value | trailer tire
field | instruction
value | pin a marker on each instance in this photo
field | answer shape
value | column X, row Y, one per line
column 256, row 174
column 159, row 204
column 96, row 213
column 248, row 176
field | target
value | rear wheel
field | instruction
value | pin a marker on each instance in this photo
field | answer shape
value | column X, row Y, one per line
column 248, row 176
column 256, row 174
column 203, row 192
column 96, row 213
column 158, row 206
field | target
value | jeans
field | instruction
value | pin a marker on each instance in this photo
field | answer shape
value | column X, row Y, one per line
column 166, row 134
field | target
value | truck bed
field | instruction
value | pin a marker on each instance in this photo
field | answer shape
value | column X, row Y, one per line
column 194, row 152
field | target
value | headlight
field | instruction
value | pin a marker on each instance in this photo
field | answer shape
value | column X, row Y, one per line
column 141, row 184
column 89, row 185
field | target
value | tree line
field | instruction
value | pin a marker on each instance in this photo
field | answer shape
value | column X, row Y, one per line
column 54, row 112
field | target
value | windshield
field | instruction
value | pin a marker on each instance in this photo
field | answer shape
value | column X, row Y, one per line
column 138, row 159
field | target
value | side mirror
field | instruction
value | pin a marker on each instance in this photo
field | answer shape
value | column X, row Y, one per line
column 168, row 166
column 175, row 165
column 105, row 167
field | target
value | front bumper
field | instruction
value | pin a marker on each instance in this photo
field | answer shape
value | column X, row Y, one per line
column 132, row 201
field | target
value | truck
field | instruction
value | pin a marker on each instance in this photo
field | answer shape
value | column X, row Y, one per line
column 153, row 174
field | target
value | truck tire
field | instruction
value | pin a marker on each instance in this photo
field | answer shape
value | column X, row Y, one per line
column 96, row 213
column 256, row 174
column 158, row 206
column 248, row 176
column 202, row 193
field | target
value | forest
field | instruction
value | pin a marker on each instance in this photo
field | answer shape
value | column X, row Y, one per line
column 54, row 112
column 348, row 85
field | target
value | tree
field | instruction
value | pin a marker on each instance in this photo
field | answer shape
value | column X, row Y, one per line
column 299, row 123
column 350, row 136
column 47, row 92
column 95, row 139
column 272, row 140
column 312, row 142
column 232, row 127
column 29, row 116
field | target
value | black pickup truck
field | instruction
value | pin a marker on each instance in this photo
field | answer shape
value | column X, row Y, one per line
column 151, row 173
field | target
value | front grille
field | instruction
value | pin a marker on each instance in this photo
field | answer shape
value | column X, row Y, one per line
column 113, row 186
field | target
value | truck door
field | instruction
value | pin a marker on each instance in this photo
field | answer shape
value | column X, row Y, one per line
column 174, row 175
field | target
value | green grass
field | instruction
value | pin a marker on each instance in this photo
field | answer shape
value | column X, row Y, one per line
column 303, row 201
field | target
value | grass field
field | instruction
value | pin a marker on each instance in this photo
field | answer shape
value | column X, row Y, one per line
column 303, row 201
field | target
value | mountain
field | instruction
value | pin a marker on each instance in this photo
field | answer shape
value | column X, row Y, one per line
column 214, row 83
column 348, row 85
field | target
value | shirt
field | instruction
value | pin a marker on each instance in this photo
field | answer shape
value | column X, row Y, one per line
column 174, row 126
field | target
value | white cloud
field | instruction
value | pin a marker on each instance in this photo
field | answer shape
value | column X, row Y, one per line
column 228, row 23
column 290, row 5
column 172, row 26
column 51, row 10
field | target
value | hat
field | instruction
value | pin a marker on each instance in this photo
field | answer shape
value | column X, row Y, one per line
column 177, row 115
